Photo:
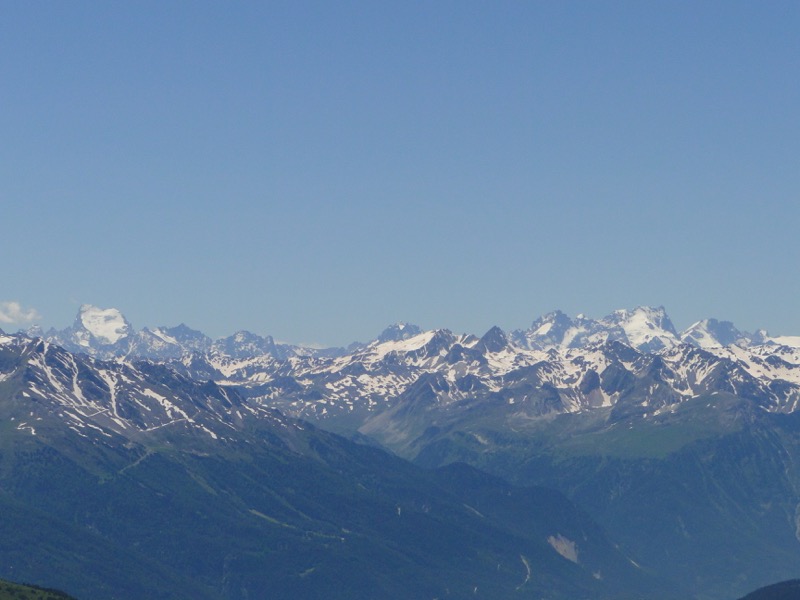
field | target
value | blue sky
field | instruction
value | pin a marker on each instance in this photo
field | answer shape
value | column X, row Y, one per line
column 316, row 171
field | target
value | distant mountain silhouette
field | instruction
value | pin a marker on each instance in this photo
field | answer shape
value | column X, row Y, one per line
column 786, row 590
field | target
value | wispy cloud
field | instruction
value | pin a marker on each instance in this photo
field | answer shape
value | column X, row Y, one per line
column 14, row 313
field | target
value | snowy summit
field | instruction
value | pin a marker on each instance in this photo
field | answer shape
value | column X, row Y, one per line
column 107, row 325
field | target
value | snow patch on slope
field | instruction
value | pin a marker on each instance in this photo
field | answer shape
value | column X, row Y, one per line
column 407, row 345
column 564, row 546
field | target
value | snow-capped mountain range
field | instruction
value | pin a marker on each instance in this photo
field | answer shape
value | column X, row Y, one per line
column 631, row 361
column 106, row 333
column 624, row 413
column 106, row 400
column 130, row 455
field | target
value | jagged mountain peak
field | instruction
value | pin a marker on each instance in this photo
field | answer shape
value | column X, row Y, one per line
column 553, row 325
column 548, row 331
column 651, row 317
column 183, row 332
column 552, row 317
column 493, row 340
column 34, row 331
column 429, row 343
column 244, row 336
column 761, row 336
column 184, row 338
column 398, row 332
column 435, row 340
column 646, row 328
column 244, row 344
column 710, row 333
